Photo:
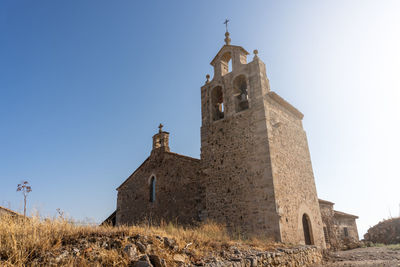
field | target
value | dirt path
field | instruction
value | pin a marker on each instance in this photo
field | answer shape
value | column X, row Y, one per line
column 364, row 257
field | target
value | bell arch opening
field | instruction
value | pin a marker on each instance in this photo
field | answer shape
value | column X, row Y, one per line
column 226, row 63
column 217, row 103
column 241, row 94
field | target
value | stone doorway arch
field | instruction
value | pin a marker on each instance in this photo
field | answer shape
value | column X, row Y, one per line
column 308, row 238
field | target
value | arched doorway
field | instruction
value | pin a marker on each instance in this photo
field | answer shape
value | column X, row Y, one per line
column 308, row 239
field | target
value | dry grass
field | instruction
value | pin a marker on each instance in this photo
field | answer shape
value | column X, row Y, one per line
column 36, row 242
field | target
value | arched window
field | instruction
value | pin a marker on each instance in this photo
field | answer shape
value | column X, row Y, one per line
column 226, row 63
column 308, row 238
column 153, row 189
column 217, row 102
column 241, row 93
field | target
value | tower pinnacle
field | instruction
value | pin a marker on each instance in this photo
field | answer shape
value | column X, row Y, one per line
column 227, row 39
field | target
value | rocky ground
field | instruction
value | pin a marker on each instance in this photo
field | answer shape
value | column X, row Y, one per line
column 147, row 251
column 59, row 242
column 62, row 243
column 385, row 232
column 364, row 257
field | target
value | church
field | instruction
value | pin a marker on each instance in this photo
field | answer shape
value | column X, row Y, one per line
column 254, row 175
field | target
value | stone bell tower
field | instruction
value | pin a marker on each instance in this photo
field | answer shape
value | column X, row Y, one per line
column 161, row 140
column 255, row 154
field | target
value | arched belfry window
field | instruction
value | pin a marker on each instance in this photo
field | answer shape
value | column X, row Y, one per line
column 153, row 189
column 226, row 63
column 217, row 102
column 241, row 93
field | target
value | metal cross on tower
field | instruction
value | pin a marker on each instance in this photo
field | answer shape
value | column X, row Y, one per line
column 160, row 128
column 226, row 24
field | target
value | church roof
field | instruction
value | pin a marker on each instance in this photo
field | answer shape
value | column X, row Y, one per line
column 110, row 219
column 337, row 213
column 286, row 104
column 342, row 214
column 321, row 201
column 126, row 180
column 181, row 156
column 167, row 152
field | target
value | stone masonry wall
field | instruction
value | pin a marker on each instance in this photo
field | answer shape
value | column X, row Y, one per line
column 238, row 193
column 295, row 189
column 334, row 222
column 342, row 222
column 235, row 156
column 329, row 223
column 293, row 257
column 257, row 160
column 179, row 194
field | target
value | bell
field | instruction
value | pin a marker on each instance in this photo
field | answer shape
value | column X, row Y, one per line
column 243, row 97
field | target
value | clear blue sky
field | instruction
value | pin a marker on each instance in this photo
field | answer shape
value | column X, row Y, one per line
column 84, row 85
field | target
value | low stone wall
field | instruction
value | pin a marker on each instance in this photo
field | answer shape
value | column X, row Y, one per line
column 102, row 249
column 8, row 212
column 386, row 232
column 294, row 257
